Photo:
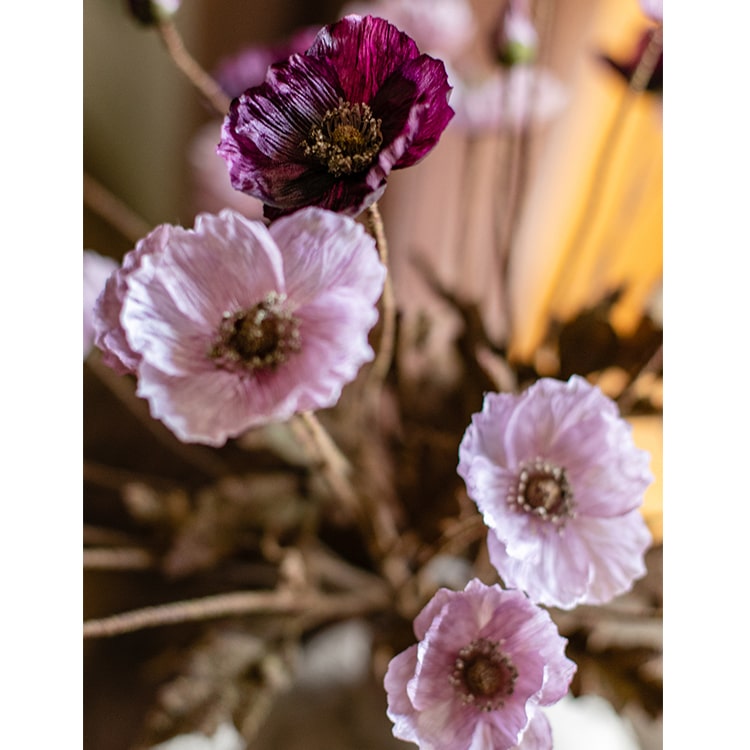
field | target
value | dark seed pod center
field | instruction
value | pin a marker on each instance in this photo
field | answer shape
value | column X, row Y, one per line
column 483, row 675
column 262, row 336
column 544, row 491
column 347, row 140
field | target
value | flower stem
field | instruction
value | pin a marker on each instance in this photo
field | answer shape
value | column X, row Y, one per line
column 190, row 67
column 110, row 208
column 315, row 606
column 384, row 356
column 334, row 465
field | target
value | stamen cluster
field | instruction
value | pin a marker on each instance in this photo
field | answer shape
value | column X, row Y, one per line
column 483, row 675
column 347, row 139
column 544, row 491
column 261, row 337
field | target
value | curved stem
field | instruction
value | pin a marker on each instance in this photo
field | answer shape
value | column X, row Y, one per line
column 190, row 67
column 315, row 606
column 384, row 357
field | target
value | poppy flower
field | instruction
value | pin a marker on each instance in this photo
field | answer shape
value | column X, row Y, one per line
column 326, row 127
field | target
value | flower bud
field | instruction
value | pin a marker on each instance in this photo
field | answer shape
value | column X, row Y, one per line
column 517, row 40
column 153, row 11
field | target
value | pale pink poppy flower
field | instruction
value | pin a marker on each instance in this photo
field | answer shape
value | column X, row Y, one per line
column 232, row 325
column 485, row 663
column 559, row 481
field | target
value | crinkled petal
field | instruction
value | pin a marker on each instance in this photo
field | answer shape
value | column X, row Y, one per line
column 323, row 250
column 422, row 83
column 548, row 577
column 333, row 331
column 400, row 709
column 210, row 407
column 280, row 113
column 616, row 548
column 486, row 433
column 110, row 335
column 96, row 270
column 364, row 50
column 538, row 734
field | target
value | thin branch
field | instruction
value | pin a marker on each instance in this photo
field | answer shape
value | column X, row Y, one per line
column 191, row 68
column 114, row 211
column 122, row 558
column 318, row 607
column 333, row 464
column 628, row 396
column 384, row 357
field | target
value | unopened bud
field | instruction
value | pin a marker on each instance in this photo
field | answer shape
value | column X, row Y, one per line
column 153, row 11
column 517, row 40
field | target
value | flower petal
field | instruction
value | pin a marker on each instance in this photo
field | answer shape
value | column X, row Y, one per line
column 322, row 250
column 364, row 50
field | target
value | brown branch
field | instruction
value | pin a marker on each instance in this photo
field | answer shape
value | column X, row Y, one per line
column 384, row 357
column 318, row 607
column 191, row 68
column 122, row 558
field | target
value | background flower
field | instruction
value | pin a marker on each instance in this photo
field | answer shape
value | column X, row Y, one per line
column 327, row 127
column 442, row 28
column 231, row 325
column 486, row 660
column 559, row 481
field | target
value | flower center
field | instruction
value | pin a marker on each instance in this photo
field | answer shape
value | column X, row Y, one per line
column 258, row 338
column 543, row 490
column 483, row 675
column 347, row 139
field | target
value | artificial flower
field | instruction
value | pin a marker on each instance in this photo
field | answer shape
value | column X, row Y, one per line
column 443, row 28
column 232, row 325
column 327, row 127
column 559, row 481
column 486, row 661
column 96, row 270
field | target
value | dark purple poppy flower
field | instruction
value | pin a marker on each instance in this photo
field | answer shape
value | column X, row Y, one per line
column 327, row 126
